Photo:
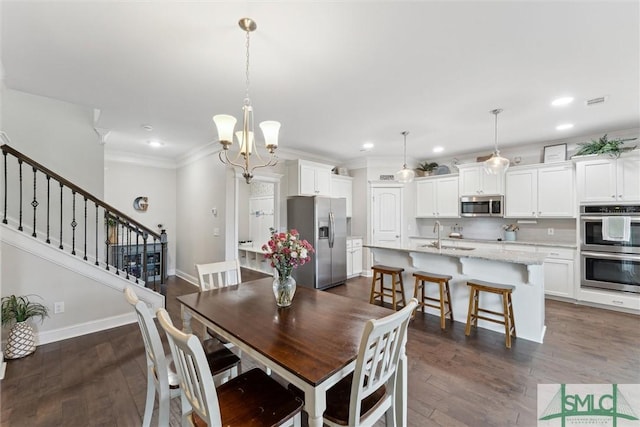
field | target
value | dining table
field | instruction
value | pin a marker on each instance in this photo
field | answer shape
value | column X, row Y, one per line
column 311, row 344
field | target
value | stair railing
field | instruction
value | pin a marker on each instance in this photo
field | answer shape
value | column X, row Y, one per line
column 130, row 248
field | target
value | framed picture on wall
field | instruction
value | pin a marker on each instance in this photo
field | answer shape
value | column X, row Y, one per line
column 555, row 153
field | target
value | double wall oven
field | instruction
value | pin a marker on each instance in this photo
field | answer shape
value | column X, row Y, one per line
column 606, row 263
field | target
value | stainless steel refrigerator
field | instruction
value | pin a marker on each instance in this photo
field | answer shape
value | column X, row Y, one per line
column 322, row 221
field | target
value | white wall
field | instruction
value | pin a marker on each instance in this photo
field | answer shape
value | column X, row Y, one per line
column 126, row 181
column 200, row 186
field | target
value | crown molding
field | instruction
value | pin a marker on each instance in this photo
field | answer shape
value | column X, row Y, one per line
column 138, row 159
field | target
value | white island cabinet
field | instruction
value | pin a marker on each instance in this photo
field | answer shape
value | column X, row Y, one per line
column 524, row 270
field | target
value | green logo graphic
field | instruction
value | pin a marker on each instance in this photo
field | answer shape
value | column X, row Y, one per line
column 588, row 407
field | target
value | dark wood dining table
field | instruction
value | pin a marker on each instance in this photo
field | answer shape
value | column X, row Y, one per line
column 312, row 344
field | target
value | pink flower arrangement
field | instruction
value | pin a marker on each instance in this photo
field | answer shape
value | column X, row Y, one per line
column 287, row 251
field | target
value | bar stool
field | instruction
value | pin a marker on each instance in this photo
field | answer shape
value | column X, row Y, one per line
column 477, row 286
column 379, row 272
column 442, row 281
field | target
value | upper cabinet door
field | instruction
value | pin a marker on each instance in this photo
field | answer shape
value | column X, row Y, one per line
column 426, row 199
column 521, row 193
column 628, row 179
column 342, row 186
column 448, row 199
column 323, row 181
column 556, row 193
column 309, row 179
column 596, row 180
column 475, row 181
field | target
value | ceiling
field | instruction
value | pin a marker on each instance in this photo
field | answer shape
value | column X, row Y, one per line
column 335, row 74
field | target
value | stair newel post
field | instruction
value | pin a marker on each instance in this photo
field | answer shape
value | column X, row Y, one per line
column 145, row 270
column 74, row 224
column 97, row 263
column 34, row 203
column 61, row 188
column 85, row 230
column 20, row 204
column 48, row 208
column 4, row 154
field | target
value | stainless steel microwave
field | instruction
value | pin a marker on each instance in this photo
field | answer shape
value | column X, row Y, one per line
column 475, row 206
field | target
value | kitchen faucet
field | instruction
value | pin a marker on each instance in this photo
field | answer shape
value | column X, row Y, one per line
column 438, row 242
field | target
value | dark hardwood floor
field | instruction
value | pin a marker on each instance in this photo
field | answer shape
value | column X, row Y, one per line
column 100, row 379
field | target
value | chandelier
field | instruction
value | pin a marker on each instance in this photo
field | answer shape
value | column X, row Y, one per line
column 496, row 164
column 405, row 174
column 226, row 124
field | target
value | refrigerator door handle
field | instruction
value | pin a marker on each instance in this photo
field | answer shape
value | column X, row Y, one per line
column 332, row 231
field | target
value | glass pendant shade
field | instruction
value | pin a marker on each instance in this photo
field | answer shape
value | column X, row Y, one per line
column 404, row 175
column 243, row 144
column 270, row 130
column 496, row 165
column 225, row 125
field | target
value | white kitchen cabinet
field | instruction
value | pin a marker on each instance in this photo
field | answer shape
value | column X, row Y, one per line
column 309, row 179
column 559, row 267
column 342, row 186
column 437, row 197
column 609, row 180
column 354, row 257
column 473, row 181
column 540, row 192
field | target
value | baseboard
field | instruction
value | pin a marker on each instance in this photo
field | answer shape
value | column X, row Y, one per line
column 189, row 278
column 3, row 368
column 84, row 328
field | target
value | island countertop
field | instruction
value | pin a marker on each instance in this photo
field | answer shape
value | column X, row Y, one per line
column 513, row 257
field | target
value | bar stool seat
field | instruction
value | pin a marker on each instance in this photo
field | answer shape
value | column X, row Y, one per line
column 397, row 286
column 507, row 319
column 442, row 280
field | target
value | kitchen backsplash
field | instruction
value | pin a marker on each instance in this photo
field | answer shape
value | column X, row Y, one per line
column 564, row 230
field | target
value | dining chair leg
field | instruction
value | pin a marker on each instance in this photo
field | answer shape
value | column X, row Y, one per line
column 151, row 396
column 164, row 406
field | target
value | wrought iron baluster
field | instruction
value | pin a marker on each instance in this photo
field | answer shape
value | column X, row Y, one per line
column 20, row 216
column 107, row 218
column 4, row 220
column 145, row 270
column 128, row 263
column 48, row 208
column 61, row 188
column 74, row 224
column 138, row 259
column 118, row 261
column 97, row 263
column 85, row 230
column 34, row 203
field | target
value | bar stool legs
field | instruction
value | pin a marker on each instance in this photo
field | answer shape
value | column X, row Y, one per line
column 445, row 295
column 507, row 316
column 397, row 286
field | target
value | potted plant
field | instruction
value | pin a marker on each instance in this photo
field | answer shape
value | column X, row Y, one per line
column 426, row 168
column 16, row 311
column 112, row 228
column 604, row 145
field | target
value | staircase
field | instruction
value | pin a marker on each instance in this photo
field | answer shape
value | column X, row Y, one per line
column 63, row 243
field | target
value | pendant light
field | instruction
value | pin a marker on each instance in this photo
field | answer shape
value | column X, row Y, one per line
column 497, row 164
column 405, row 175
column 226, row 123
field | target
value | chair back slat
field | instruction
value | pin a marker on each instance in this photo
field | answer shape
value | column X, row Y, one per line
column 382, row 344
column 197, row 384
column 218, row 274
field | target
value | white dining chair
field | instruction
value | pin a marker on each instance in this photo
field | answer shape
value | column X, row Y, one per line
column 218, row 274
column 361, row 398
column 252, row 398
column 162, row 378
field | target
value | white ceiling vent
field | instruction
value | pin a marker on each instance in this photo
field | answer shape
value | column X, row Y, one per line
column 596, row 101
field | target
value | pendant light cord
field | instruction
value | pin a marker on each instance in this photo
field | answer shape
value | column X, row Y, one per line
column 495, row 140
column 405, row 133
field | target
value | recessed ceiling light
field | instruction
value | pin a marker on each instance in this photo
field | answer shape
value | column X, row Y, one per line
column 559, row 102
column 564, row 126
column 155, row 144
column 438, row 149
column 367, row 146
column 148, row 128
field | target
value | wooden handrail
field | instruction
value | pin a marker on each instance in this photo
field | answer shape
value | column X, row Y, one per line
column 115, row 212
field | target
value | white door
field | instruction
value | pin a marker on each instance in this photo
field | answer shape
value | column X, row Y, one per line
column 386, row 215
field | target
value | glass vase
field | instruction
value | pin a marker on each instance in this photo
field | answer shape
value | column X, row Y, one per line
column 284, row 288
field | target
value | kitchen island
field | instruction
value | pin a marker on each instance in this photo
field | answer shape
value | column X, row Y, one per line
column 524, row 270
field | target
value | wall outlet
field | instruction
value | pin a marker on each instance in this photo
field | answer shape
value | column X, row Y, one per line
column 216, row 232
column 58, row 307
column 550, row 231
